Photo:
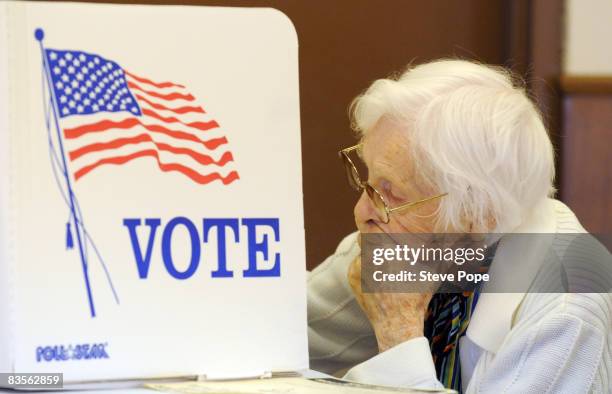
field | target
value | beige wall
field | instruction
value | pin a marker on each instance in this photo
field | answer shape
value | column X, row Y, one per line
column 588, row 37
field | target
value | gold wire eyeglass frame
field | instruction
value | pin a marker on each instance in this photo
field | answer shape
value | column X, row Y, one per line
column 381, row 205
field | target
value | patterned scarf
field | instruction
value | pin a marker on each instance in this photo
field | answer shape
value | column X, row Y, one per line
column 446, row 321
column 448, row 316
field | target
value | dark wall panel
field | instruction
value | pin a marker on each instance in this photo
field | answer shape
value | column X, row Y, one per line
column 586, row 154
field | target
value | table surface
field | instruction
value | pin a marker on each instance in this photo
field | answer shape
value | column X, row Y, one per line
column 309, row 373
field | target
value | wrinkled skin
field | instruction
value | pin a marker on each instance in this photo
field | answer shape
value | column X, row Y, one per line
column 395, row 317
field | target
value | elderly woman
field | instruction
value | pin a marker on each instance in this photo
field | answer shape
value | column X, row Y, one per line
column 456, row 147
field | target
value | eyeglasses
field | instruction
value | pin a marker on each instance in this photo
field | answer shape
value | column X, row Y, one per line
column 380, row 204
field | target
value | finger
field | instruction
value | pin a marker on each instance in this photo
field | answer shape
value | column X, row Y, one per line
column 354, row 275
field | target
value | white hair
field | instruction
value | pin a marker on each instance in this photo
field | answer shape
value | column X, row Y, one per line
column 473, row 133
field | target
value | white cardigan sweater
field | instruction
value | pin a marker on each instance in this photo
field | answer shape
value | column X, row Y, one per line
column 515, row 343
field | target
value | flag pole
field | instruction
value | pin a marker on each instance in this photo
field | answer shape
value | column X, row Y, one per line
column 39, row 34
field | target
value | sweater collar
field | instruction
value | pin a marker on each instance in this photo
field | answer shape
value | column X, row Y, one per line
column 493, row 316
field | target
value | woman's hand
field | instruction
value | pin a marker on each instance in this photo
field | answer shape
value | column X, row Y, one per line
column 395, row 317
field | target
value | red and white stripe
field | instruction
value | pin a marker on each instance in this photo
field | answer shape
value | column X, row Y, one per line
column 174, row 131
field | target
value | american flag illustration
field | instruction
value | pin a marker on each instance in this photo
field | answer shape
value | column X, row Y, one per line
column 110, row 116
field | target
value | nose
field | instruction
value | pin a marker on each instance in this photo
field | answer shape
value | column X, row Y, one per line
column 364, row 212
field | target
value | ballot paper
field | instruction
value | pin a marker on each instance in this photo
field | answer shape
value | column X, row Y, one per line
column 293, row 385
column 151, row 219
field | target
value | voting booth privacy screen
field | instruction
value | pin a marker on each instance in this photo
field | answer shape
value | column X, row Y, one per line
column 151, row 217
